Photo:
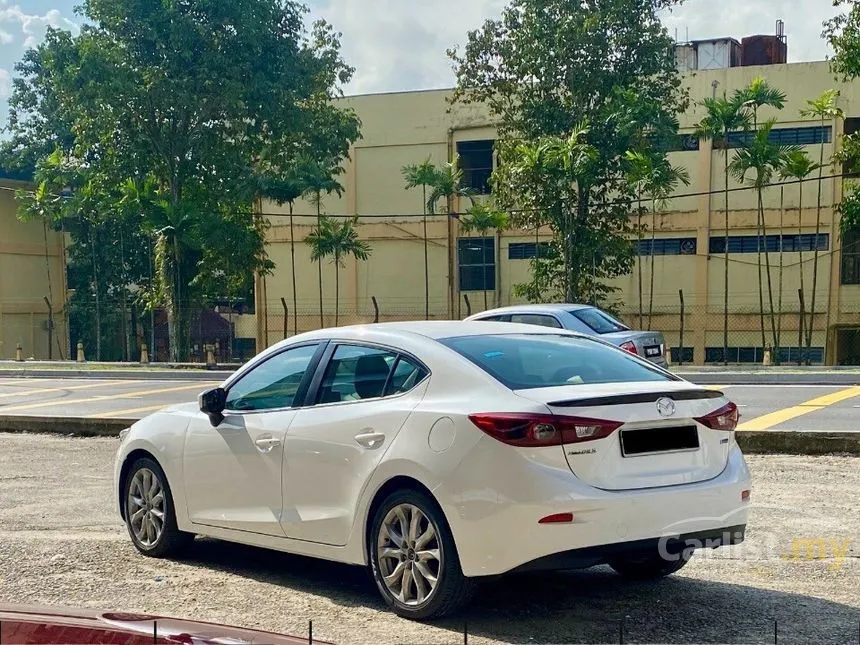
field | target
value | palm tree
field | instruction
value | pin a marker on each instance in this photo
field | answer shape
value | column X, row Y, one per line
column 664, row 181
column 424, row 175
column 723, row 117
column 482, row 217
column 337, row 240
column 639, row 175
column 798, row 166
column 759, row 93
column 824, row 109
column 317, row 180
column 763, row 159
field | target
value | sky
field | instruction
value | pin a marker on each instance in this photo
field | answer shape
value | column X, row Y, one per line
column 396, row 45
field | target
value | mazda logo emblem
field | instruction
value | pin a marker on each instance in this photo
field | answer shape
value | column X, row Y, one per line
column 666, row 407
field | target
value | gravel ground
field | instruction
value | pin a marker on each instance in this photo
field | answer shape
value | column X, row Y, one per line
column 61, row 544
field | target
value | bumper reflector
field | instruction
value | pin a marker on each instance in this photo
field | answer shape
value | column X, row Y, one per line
column 557, row 518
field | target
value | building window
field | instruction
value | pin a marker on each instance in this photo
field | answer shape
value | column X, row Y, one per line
column 806, row 136
column 527, row 250
column 752, row 243
column 756, row 355
column 665, row 246
column 850, row 273
column 678, row 143
column 476, row 162
column 477, row 263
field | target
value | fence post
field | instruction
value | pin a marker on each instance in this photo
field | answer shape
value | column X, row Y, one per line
column 681, row 350
column 800, row 328
column 50, row 328
column 286, row 315
column 375, row 309
column 468, row 305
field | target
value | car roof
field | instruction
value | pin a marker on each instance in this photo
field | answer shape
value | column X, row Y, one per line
column 434, row 329
column 549, row 307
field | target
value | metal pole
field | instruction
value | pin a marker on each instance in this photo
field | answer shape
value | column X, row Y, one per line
column 286, row 315
column 468, row 305
column 375, row 309
column 50, row 328
column 800, row 329
column 681, row 349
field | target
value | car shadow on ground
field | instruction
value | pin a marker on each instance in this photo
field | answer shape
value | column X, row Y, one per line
column 590, row 606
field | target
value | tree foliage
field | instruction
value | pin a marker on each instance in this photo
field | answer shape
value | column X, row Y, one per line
column 187, row 111
column 543, row 70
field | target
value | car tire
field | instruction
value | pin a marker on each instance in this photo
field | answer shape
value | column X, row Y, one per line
column 420, row 559
column 649, row 566
column 149, row 512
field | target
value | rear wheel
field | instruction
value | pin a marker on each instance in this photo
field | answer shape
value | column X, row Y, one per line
column 649, row 566
column 149, row 513
column 413, row 558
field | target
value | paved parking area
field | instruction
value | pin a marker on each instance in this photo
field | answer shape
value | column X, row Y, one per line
column 763, row 407
column 61, row 544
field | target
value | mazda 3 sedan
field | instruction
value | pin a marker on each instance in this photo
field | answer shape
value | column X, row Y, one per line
column 439, row 454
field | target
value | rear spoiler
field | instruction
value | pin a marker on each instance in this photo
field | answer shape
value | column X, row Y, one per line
column 640, row 397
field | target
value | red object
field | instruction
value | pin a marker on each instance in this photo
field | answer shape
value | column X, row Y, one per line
column 537, row 430
column 28, row 625
column 726, row 418
column 557, row 518
column 628, row 347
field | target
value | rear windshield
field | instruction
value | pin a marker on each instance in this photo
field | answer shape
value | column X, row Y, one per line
column 599, row 321
column 525, row 361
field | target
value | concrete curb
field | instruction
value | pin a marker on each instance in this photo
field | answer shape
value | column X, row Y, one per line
column 131, row 374
column 771, row 378
column 751, row 442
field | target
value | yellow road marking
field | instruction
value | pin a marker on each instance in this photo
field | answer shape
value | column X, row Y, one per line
column 768, row 421
column 47, row 390
column 45, row 404
column 120, row 413
column 715, row 387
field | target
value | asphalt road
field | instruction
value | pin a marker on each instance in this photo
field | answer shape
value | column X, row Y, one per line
column 763, row 407
column 61, row 543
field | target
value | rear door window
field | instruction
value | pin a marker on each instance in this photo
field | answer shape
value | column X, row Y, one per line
column 525, row 361
column 543, row 320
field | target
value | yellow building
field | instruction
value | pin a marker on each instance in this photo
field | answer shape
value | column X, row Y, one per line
column 408, row 127
column 32, row 269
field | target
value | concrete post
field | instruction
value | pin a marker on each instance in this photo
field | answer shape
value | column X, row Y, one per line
column 19, row 353
column 81, row 358
column 210, row 355
column 144, row 354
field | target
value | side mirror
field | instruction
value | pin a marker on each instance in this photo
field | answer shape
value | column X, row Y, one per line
column 212, row 403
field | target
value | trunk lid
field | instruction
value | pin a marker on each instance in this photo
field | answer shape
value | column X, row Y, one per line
column 649, row 344
column 656, row 445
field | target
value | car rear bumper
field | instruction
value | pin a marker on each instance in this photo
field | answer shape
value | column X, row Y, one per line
column 498, row 538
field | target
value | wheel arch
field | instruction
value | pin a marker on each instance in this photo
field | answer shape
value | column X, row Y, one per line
column 129, row 461
column 396, row 483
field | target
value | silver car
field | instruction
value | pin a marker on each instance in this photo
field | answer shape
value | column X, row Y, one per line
column 587, row 320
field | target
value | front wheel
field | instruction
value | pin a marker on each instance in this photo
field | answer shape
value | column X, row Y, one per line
column 650, row 566
column 149, row 513
column 413, row 558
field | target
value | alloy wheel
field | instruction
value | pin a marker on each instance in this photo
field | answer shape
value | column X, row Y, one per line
column 409, row 554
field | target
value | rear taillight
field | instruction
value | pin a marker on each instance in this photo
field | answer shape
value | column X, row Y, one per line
column 628, row 347
column 535, row 430
column 726, row 418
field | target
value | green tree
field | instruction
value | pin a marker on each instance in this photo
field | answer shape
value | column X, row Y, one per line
column 547, row 66
column 825, row 110
column 722, row 117
column 424, row 175
column 481, row 218
column 763, row 160
column 337, row 240
column 797, row 166
column 136, row 89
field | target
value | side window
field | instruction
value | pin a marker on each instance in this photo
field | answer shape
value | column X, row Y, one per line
column 355, row 373
column 407, row 374
column 272, row 384
column 536, row 319
column 504, row 318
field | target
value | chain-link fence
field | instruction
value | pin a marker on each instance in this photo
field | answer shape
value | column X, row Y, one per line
column 693, row 332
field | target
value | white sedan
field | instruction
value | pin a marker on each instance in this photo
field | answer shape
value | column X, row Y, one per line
column 441, row 453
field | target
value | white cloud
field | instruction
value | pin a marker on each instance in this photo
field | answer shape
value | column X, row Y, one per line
column 34, row 26
column 396, row 45
column 5, row 83
column 6, row 38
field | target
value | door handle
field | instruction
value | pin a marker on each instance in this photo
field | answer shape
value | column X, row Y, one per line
column 370, row 440
column 267, row 443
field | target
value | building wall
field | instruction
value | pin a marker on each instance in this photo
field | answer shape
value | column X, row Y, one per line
column 407, row 128
column 24, row 284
